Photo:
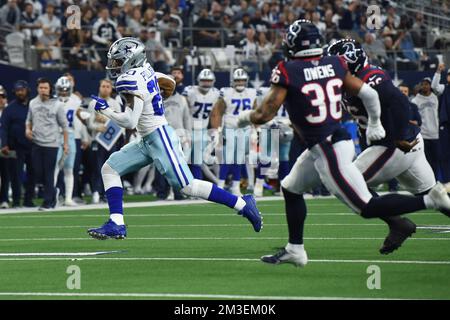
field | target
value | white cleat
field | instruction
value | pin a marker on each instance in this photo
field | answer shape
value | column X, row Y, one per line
column 438, row 194
column 298, row 258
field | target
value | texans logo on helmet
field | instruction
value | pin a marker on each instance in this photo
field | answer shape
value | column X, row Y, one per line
column 350, row 52
column 294, row 29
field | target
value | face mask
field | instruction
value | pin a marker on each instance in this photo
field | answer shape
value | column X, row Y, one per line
column 240, row 88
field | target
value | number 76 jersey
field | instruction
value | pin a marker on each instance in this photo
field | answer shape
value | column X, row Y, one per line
column 314, row 94
column 235, row 103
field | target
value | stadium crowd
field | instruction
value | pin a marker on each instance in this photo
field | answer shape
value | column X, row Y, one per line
column 171, row 28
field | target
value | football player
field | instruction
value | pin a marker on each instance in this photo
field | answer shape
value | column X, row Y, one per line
column 201, row 99
column 70, row 102
column 311, row 85
column 282, row 123
column 137, row 82
column 401, row 153
column 233, row 101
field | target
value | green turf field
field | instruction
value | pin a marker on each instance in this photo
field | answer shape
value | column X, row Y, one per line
column 206, row 251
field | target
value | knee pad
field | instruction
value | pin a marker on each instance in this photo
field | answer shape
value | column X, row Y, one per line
column 110, row 177
column 198, row 188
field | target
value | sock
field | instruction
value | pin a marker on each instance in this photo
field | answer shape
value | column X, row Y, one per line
column 295, row 247
column 295, row 214
column 429, row 203
column 283, row 169
column 68, row 183
column 390, row 221
column 223, row 172
column 117, row 218
column 221, row 184
column 196, row 171
column 115, row 196
column 236, row 186
column 218, row 195
column 392, row 205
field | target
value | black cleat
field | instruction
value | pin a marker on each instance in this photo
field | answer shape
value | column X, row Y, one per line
column 398, row 234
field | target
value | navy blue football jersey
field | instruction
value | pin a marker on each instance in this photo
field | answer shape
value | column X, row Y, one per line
column 395, row 107
column 314, row 94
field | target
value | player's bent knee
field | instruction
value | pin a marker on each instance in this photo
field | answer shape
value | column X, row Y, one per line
column 197, row 188
column 110, row 177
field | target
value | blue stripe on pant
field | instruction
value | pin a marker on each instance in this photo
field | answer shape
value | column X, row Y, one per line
column 161, row 147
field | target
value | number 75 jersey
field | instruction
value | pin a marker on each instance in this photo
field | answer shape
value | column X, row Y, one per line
column 235, row 103
column 314, row 94
column 200, row 104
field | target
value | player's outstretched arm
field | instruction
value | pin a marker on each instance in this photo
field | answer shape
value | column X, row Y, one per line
column 369, row 97
column 127, row 119
column 268, row 108
column 215, row 118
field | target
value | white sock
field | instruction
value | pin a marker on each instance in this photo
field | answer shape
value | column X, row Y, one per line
column 221, row 184
column 259, row 182
column 68, row 183
column 236, row 185
column 293, row 248
column 240, row 204
column 429, row 203
column 117, row 218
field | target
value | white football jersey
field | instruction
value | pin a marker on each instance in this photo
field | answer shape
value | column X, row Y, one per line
column 200, row 104
column 70, row 108
column 142, row 82
column 236, row 102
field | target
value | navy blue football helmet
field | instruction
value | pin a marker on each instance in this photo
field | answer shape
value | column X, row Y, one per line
column 302, row 39
column 351, row 51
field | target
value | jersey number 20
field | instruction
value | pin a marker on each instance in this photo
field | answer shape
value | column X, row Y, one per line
column 158, row 107
column 325, row 102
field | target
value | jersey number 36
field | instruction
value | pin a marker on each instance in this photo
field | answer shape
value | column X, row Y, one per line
column 325, row 101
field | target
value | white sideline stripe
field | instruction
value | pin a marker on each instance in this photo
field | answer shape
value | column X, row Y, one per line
column 181, row 295
column 56, row 254
column 231, row 260
column 215, row 238
column 207, row 225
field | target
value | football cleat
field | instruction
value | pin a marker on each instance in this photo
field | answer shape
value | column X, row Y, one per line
column 108, row 230
column 439, row 196
column 251, row 212
column 299, row 259
column 398, row 234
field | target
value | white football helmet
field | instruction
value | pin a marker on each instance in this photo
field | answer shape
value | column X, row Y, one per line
column 206, row 79
column 239, row 80
column 63, row 88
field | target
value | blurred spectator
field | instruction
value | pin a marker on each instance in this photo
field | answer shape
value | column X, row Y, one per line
column 419, row 31
column 204, row 36
column 44, row 121
column 149, row 19
column 10, row 14
column 104, row 33
column 319, row 24
column 416, row 119
column 14, row 141
column 28, row 22
column 134, row 24
column 178, row 75
column 4, row 172
column 243, row 25
column 250, row 51
column 443, row 92
column 264, row 50
column 258, row 23
column 156, row 53
column 37, row 6
column 376, row 52
column 48, row 36
column 51, row 22
column 427, row 103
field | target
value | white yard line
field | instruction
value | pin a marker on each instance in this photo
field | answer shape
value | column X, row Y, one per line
column 56, row 254
column 179, row 296
column 214, row 238
column 207, row 259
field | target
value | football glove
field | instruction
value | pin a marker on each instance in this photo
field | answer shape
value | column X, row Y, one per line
column 374, row 132
column 244, row 119
column 100, row 104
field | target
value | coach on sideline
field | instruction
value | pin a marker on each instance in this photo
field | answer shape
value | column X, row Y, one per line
column 443, row 92
column 44, row 120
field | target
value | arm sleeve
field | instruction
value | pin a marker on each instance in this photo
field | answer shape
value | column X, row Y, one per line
column 415, row 114
column 400, row 110
column 129, row 118
column 371, row 102
column 280, row 75
column 435, row 84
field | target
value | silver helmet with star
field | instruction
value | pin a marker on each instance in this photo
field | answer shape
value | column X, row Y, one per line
column 125, row 54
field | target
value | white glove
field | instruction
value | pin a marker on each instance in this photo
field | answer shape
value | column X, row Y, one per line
column 244, row 119
column 374, row 132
